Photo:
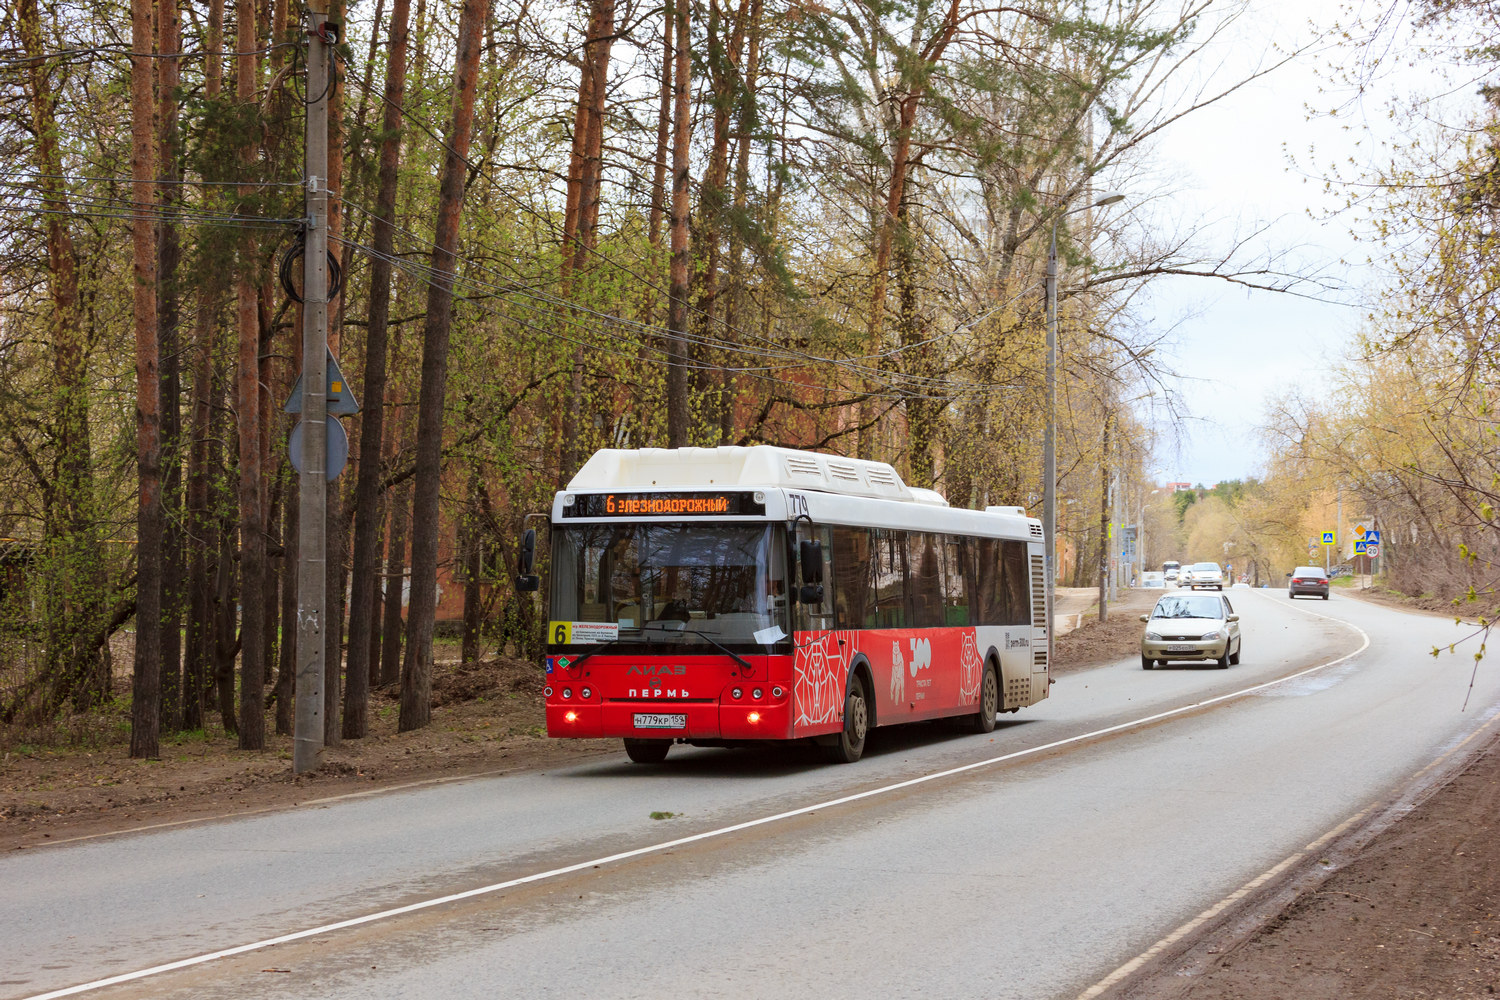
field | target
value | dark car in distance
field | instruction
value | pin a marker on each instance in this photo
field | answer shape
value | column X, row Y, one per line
column 1308, row 580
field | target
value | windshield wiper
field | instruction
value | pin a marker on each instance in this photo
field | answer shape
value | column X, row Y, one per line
column 680, row 628
column 598, row 649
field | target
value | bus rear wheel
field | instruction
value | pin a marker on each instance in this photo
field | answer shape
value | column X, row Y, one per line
column 647, row 751
column 983, row 721
column 850, row 744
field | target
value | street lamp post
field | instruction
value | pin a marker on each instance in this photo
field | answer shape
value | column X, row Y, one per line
column 1049, row 448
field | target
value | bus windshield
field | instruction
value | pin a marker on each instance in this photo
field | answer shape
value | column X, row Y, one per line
column 687, row 583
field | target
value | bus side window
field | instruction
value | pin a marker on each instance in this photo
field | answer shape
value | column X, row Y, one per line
column 955, row 587
column 1014, row 580
column 890, row 578
column 851, row 571
column 988, row 599
column 925, row 587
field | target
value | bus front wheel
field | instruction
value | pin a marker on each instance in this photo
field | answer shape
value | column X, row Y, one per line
column 983, row 721
column 647, row 751
column 850, row 744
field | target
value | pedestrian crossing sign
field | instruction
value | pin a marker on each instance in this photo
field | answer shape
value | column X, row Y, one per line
column 1327, row 538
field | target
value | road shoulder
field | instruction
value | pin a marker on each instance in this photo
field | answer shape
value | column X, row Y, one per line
column 1403, row 903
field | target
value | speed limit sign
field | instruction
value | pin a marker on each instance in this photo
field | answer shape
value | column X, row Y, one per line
column 1372, row 549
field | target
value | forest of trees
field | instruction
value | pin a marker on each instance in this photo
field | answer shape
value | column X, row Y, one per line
column 558, row 228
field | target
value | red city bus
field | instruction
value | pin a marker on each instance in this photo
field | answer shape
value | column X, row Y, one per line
column 728, row 596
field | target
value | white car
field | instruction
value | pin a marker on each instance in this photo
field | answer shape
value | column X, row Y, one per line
column 1191, row 627
column 1205, row 575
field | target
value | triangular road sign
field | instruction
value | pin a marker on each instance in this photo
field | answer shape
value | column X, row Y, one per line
column 341, row 401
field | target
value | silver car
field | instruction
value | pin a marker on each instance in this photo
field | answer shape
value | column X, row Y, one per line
column 1191, row 627
column 1205, row 575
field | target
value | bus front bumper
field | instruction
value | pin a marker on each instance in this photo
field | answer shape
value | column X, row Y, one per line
column 665, row 720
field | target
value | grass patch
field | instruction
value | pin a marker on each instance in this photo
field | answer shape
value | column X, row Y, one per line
column 662, row 815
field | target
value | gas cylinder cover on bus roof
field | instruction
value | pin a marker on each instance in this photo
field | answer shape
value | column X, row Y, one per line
column 759, row 465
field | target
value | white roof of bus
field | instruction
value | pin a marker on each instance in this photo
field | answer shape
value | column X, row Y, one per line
column 838, row 490
column 757, row 466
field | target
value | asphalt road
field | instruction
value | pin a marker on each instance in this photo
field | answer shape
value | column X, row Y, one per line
column 1055, row 857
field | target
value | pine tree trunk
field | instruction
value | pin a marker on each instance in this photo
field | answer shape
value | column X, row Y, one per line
column 145, row 712
column 663, row 132
column 252, row 520
column 372, row 432
column 677, row 373
column 169, row 253
column 416, row 680
column 585, row 168
column 744, row 129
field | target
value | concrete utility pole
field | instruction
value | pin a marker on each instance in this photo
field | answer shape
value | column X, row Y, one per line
column 313, row 480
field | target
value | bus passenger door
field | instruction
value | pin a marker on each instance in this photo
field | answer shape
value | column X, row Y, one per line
column 813, row 617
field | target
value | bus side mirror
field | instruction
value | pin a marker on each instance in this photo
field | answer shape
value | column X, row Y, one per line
column 811, row 556
column 527, row 580
column 810, row 593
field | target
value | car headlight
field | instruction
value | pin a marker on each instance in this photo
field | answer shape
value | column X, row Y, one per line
column 1152, row 637
column 1211, row 636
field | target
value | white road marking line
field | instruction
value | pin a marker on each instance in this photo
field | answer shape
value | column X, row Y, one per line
column 427, row 904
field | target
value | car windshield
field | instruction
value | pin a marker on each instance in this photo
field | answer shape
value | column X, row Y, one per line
column 688, row 583
column 1307, row 571
column 1185, row 606
column 1209, row 567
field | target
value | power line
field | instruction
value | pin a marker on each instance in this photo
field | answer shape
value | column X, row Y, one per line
column 117, row 50
column 427, row 275
column 88, row 179
column 83, row 206
column 803, row 359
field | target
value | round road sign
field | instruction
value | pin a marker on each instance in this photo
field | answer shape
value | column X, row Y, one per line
column 338, row 447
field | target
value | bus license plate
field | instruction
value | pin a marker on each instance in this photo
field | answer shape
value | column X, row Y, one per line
column 655, row 720
column 1180, row 648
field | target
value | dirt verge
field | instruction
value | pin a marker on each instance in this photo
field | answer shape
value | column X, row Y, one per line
column 1095, row 643
column 486, row 719
column 1414, row 914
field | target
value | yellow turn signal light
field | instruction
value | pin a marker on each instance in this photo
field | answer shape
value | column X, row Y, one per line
column 570, row 717
column 753, row 717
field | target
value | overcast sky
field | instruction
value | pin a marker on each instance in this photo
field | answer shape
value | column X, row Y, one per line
column 1236, row 348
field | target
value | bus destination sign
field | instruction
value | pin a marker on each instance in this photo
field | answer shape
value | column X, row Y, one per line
column 734, row 504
